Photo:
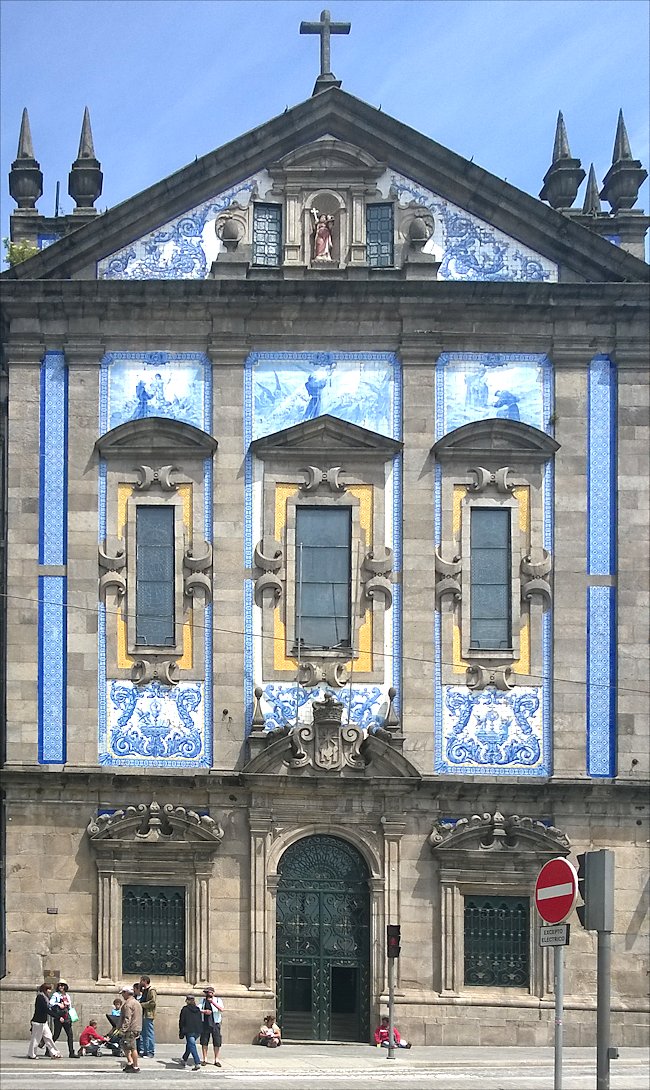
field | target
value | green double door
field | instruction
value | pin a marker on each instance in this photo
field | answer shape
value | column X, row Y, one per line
column 323, row 942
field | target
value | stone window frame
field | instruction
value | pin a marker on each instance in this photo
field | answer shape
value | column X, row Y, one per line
column 357, row 549
column 154, row 846
column 469, row 504
column 180, row 546
column 491, row 855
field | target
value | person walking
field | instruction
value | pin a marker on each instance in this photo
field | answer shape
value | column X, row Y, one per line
column 40, row 1028
column 211, row 1008
column 60, row 1009
column 130, row 1029
column 190, row 1023
column 148, row 1000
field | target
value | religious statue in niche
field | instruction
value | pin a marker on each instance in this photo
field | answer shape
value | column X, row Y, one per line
column 321, row 247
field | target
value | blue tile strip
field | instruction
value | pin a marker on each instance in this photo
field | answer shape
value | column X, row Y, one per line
column 52, row 669
column 52, row 550
column 601, row 560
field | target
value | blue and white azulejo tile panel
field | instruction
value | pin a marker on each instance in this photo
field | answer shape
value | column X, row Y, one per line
column 154, row 724
column 480, row 385
column 291, row 387
column 491, row 732
column 137, row 385
column 364, row 706
column 468, row 247
column 184, row 247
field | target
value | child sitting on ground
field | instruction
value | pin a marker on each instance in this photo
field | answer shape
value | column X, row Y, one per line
column 381, row 1035
column 269, row 1033
column 90, row 1040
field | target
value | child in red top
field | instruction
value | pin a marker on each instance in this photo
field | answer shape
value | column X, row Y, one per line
column 90, row 1040
column 381, row 1036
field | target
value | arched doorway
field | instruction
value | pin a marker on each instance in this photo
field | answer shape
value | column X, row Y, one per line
column 323, row 941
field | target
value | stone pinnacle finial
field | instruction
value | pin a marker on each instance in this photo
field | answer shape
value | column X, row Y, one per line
column 25, row 146
column 25, row 177
column 591, row 206
column 622, row 148
column 86, row 148
column 85, row 179
column 565, row 174
column 561, row 149
column 625, row 177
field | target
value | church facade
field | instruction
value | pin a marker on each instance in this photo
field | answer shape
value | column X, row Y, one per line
column 326, row 565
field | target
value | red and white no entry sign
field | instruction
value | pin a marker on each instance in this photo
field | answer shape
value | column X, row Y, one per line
column 556, row 890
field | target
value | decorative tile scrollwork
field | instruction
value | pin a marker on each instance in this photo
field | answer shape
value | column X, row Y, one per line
column 535, row 578
column 485, row 477
column 497, row 677
column 162, row 476
column 376, row 568
column 198, row 580
column 448, row 578
column 315, row 477
column 269, row 557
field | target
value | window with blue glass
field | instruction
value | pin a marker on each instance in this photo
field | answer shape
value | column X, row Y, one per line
column 267, row 234
column 154, row 595
column 323, row 572
column 497, row 942
column 379, row 235
column 491, row 579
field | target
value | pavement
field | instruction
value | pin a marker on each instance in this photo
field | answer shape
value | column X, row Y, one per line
column 330, row 1067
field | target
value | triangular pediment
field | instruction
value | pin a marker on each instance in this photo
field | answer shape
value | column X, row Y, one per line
column 536, row 229
column 156, row 437
column 326, row 435
column 498, row 438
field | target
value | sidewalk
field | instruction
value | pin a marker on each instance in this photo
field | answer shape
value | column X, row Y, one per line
column 302, row 1067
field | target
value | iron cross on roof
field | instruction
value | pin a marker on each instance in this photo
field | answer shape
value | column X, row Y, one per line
column 325, row 28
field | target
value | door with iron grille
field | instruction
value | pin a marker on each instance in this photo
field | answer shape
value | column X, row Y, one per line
column 323, row 941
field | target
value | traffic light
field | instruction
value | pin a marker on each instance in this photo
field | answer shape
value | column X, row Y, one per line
column 393, row 940
column 596, row 887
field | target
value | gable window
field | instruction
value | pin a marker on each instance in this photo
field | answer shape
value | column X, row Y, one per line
column 267, row 234
column 379, row 235
column 155, row 588
column 497, row 942
column 323, row 573
column 491, row 579
column 153, row 930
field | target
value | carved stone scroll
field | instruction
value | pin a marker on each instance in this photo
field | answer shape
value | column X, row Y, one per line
column 535, row 578
column 497, row 677
column 165, row 671
column 375, row 570
column 268, row 556
column 485, row 477
column 448, row 578
column 147, row 476
column 315, row 477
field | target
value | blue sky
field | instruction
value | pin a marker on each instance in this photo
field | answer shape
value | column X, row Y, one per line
column 168, row 81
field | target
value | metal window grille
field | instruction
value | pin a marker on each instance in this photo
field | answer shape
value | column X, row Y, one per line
column 323, row 551
column 154, row 594
column 497, row 942
column 379, row 235
column 153, row 930
column 267, row 234
column 491, row 579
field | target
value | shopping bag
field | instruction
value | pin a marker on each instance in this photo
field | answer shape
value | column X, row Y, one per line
column 74, row 1017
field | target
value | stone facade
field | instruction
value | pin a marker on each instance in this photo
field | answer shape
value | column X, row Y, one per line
column 497, row 361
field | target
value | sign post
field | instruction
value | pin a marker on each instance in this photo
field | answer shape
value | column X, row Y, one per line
column 393, row 936
column 556, row 892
